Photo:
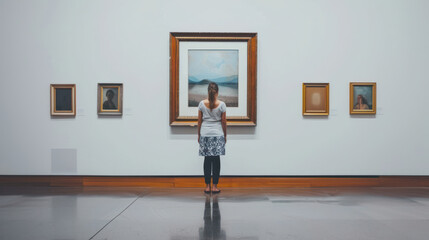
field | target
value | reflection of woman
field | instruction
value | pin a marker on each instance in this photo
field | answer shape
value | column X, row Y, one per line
column 108, row 104
column 212, row 226
column 361, row 103
column 212, row 135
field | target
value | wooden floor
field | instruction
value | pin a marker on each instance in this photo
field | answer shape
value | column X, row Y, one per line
column 225, row 182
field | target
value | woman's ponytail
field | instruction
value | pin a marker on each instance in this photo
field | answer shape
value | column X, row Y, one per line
column 212, row 89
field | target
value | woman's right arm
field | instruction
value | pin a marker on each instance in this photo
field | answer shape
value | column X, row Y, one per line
column 224, row 124
column 200, row 121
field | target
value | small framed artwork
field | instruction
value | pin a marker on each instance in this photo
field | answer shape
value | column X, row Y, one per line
column 110, row 98
column 315, row 99
column 363, row 98
column 228, row 59
column 63, row 100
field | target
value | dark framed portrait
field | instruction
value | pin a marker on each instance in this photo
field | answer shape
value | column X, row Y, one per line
column 110, row 98
column 363, row 98
column 63, row 99
column 315, row 99
column 228, row 59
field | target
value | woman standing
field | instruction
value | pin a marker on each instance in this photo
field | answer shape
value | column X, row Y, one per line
column 212, row 135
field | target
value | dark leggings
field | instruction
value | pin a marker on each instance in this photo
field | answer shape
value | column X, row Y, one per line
column 211, row 163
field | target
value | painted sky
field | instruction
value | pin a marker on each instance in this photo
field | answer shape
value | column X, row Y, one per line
column 210, row 64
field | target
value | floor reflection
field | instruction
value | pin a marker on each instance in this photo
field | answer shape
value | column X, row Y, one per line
column 188, row 214
column 212, row 225
column 64, row 217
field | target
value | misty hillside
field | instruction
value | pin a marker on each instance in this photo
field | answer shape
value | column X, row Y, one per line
column 230, row 80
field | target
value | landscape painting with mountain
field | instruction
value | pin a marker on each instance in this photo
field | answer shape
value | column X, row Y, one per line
column 219, row 66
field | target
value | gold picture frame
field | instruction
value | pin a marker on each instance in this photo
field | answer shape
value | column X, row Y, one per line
column 315, row 99
column 363, row 98
column 110, row 99
column 63, row 99
column 183, row 47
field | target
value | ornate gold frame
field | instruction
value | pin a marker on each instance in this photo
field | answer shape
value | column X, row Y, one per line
column 55, row 112
column 100, row 110
column 306, row 112
column 374, row 95
column 176, row 38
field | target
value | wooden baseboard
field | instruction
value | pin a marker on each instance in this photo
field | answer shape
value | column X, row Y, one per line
column 225, row 182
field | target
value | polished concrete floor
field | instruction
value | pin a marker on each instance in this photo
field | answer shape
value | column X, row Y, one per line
column 148, row 213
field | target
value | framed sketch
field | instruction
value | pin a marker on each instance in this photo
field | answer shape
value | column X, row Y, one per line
column 315, row 99
column 229, row 59
column 63, row 99
column 110, row 98
column 363, row 98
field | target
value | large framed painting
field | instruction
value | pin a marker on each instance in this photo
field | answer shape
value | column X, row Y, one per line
column 363, row 98
column 63, row 99
column 228, row 59
column 315, row 99
column 110, row 99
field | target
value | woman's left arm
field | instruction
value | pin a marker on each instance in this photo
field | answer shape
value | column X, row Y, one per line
column 224, row 124
column 200, row 121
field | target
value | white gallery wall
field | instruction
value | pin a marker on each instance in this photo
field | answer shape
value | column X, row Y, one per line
column 336, row 41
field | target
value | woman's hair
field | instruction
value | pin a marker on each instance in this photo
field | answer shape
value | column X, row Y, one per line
column 212, row 89
column 364, row 101
column 111, row 92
